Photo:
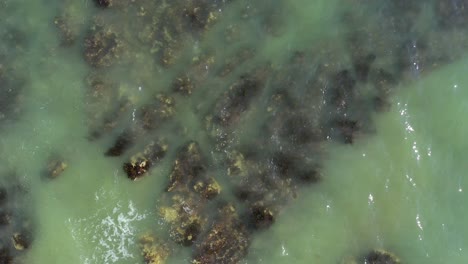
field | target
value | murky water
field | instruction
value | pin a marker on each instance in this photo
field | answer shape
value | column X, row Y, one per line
column 74, row 77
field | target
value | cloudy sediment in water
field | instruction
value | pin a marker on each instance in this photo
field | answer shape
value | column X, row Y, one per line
column 232, row 131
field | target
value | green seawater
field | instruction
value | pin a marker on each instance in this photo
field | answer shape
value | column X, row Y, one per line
column 401, row 187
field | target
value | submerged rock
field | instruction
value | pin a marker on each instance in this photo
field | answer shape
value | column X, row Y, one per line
column 346, row 130
column 154, row 251
column 342, row 90
column 381, row 257
column 3, row 195
column 103, row 3
column 55, row 167
column 376, row 256
column 236, row 100
column 183, row 85
column 102, row 47
column 5, row 218
column 298, row 129
column 187, row 167
column 189, row 193
column 154, row 114
column 136, row 168
column 208, row 188
column 140, row 163
column 5, row 256
column 123, row 142
column 185, row 217
column 226, row 242
column 16, row 231
column 451, row 13
column 362, row 66
column 11, row 88
column 67, row 35
column 261, row 217
column 20, row 241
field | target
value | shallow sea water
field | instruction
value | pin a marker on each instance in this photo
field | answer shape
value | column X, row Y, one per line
column 401, row 188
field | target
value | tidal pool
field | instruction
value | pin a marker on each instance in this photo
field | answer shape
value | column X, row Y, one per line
column 390, row 159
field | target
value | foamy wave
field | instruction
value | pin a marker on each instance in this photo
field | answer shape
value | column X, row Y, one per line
column 108, row 235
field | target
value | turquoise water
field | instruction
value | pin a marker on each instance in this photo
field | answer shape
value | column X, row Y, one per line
column 399, row 187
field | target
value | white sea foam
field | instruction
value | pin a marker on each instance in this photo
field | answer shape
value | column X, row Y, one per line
column 109, row 232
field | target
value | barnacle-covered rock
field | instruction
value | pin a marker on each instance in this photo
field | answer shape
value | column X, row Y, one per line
column 153, row 250
column 208, row 188
column 102, row 47
column 188, row 166
column 188, row 191
column 227, row 240
column 184, row 215
column 157, row 112
column 136, row 168
column 141, row 162
column 20, row 241
column 183, row 85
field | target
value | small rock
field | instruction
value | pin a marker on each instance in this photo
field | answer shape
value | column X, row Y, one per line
column 135, row 169
column 55, row 167
column 20, row 241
